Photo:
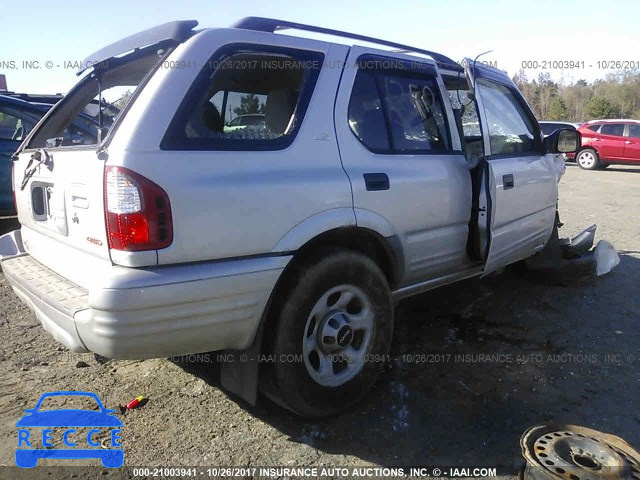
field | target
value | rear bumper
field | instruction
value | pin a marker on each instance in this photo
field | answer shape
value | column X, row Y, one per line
column 150, row 312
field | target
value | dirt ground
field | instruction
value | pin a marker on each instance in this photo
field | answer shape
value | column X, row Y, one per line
column 565, row 353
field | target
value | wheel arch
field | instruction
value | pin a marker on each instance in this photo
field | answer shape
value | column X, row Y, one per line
column 587, row 147
column 242, row 378
column 370, row 235
column 386, row 252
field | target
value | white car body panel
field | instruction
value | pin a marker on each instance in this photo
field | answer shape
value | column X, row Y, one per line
column 239, row 217
column 522, row 216
column 428, row 203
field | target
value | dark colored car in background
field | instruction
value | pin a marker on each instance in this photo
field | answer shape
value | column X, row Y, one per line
column 17, row 118
column 50, row 99
column 608, row 141
column 549, row 127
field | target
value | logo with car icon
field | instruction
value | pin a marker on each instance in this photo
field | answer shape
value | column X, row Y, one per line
column 69, row 433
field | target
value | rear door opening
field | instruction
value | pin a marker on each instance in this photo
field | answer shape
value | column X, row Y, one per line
column 60, row 188
column 469, row 128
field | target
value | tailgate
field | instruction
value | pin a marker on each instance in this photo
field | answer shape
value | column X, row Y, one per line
column 58, row 177
column 60, row 198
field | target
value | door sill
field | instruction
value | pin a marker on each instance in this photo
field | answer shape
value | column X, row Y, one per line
column 426, row 285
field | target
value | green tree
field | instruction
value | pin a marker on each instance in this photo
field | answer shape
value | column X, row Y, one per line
column 547, row 91
column 615, row 96
column 557, row 109
column 600, row 107
column 249, row 103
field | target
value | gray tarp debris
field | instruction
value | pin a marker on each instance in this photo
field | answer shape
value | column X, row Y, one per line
column 606, row 257
column 571, row 260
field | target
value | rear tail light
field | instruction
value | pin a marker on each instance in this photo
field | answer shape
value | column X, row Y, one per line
column 137, row 212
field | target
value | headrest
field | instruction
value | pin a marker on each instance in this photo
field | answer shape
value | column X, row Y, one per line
column 211, row 118
column 279, row 109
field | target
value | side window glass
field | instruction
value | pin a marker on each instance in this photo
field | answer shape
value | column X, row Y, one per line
column 466, row 114
column 511, row 131
column 593, row 128
column 634, row 131
column 247, row 100
column 366, row 118
column 415, row 112
column 395, row 112
column 616, row 129
column 76, row 136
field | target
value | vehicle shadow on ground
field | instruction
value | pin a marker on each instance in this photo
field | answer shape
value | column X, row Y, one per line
column 624, row 170
column 477, row 363
column 611, row 168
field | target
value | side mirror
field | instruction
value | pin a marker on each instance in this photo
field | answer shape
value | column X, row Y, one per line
column 54, row 142
column 77, row 139
column 563, row 140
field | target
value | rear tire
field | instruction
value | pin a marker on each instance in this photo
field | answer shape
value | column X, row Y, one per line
column 588, row 159
column 329, row 333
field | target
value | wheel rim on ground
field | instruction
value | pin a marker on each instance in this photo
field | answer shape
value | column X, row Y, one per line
column 587, row 159
column 337, row 335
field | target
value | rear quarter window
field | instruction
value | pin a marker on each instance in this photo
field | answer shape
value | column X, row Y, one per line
column 634, row 131
column 246, row 98
column 616, row 129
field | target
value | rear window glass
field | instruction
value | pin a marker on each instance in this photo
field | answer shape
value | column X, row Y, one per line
column 94, row 105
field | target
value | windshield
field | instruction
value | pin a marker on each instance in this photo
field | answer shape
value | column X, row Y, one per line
column 98, row 100
column 61, row 402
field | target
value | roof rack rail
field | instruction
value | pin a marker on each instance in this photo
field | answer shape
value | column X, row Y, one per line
column 263, row 24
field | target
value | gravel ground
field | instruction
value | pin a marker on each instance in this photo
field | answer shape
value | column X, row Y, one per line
column 564, row 353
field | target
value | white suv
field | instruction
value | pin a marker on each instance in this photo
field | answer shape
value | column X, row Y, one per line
column 374, row 176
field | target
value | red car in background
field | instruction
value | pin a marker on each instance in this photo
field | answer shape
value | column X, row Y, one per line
column 608, row 141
